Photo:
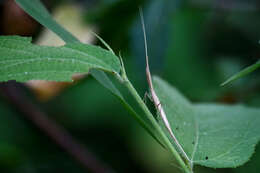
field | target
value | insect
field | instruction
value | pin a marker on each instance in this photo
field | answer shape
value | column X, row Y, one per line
column 154, row 96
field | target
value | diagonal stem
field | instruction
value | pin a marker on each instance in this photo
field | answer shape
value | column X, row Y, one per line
column 149, row 115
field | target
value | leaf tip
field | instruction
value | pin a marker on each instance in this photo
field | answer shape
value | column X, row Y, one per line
column 224, row 83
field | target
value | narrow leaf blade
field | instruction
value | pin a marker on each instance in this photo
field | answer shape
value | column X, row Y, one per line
column 242, row 73
column 109, row 85
column 39, row 12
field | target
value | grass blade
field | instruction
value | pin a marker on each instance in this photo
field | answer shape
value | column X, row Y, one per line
column 242, row 73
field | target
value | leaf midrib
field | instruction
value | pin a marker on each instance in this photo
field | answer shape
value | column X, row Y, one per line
column 47, row 59
column 88, row 55
column 56, row 59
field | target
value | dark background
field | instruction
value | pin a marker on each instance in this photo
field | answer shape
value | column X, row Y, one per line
column 194, row 44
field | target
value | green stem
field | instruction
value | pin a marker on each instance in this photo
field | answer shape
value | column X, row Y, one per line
column 168, row 144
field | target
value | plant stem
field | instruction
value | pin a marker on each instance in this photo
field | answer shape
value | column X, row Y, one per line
column 168, row 144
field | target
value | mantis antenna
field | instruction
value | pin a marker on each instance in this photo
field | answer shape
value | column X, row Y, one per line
column 155, row 97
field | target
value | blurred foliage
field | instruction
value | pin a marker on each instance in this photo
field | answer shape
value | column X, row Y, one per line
column 194, row 44
column 114, row 19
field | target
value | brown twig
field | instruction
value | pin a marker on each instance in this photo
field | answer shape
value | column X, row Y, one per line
column 58, row 134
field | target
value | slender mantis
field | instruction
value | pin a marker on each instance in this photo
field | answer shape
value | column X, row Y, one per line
column 155, row 98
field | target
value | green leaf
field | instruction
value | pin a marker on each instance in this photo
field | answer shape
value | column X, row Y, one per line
column 212, row 135
column 22, row 61
column 44, row 17
column 39, row 13
column 242, row 73
column 253, row 165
